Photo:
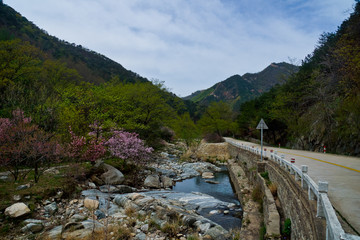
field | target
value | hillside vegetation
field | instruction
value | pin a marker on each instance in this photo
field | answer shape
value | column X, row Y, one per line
column 320, row 105
column 61, row 85
column 239, row 89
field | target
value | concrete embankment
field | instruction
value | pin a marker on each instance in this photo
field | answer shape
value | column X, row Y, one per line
column 291, row 200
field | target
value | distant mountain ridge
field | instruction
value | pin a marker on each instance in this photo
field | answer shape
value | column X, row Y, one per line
column 238, row 89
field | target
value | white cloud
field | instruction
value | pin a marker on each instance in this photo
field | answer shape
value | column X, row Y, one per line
column 190, row 45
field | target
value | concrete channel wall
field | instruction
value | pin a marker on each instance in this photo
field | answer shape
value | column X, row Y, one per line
column 292, row 200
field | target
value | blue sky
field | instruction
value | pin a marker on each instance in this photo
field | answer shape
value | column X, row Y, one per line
column 190, row 44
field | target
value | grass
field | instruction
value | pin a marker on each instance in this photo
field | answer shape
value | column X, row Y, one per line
column 193, row 237
column 273, row 189
column 262, row 231
column 257, row 196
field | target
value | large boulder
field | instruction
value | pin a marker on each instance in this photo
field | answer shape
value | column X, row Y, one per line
column 51, row 208
column 91, row 203
column 112, row 175
column 17, row 210
column 166, row 182
column 152, row 181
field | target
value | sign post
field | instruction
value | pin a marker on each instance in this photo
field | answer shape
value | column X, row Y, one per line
column 262, row 125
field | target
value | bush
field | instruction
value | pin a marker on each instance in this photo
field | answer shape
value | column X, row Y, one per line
column 273, row 189
column 265, row 175
column 213, row 138
column 287, row 227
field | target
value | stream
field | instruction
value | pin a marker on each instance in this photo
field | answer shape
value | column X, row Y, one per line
column 222, row 191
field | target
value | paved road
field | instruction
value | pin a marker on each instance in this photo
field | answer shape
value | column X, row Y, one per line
column 341, row 172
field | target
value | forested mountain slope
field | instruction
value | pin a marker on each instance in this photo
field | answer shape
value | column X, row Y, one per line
column 92, row 66
column 239, row 89
column 320, row 105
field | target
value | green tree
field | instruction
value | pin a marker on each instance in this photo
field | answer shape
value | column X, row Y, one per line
column 186, row 129
column 217, row 118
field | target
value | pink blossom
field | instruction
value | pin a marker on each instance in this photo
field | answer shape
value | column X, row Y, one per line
column 128, row 145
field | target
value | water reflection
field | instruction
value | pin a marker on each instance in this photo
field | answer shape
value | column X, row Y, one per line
column 222, row 191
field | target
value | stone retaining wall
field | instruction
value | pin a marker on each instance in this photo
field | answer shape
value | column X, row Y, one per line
column 293, row 199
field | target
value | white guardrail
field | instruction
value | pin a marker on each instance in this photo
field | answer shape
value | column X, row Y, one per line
column 318, row 192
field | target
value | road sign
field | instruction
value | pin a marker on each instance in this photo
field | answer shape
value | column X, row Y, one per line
column 262, row 125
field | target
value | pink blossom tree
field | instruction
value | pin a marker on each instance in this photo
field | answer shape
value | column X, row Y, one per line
column 24, row 145
column 128, row 145
column 90, row 149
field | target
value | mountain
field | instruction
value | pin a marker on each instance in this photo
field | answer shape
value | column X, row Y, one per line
column 239, row 89
column 320, row 104
column 92, row 66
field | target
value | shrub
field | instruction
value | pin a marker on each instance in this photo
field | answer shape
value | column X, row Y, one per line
column 265, row 175
column 287, row 227
column 262, row 231
column 213, row 138
column 273, row 189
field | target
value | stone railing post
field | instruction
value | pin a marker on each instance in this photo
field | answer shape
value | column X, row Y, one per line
column 323, row 188
column 304, row 170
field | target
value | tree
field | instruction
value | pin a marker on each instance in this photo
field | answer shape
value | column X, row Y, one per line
column 24, row 145
column 91, row 149
column 217, row 118
column 186, row 129
column 126, row 145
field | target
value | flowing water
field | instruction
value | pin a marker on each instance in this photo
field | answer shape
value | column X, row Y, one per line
column 223, row 191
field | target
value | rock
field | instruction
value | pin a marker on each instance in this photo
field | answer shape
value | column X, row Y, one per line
column 33, row 227
column 99, row 214
column 6, row 178
column 152, row 181
column 77, row 218
column 140, row 236
column 112, row 175
column 25, row 186
column 167, row 182
column 108, row 189
column 164, row 154
column 91, row 203
column 17, row 210
column 125, row 189
column 207, row 175
column 92, row 185
column 226, row 212
column 145, row 228
column 204, row 227
column 17, row 197
column 97, row 180
column 135, row 196
column 214, row 212
column 217, row 233
column 51, row 208
column 94, row 193
column 52, row 171
column 54, row 233
column 212, row 182
column 166, row 172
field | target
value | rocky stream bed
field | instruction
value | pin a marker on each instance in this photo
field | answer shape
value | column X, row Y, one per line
column 117, row 211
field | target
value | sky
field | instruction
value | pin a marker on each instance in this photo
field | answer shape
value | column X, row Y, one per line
column 190, row 44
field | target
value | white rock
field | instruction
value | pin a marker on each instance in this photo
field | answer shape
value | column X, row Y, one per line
column 207, row 175
column 91, row 203
column 213, row 212
column 17, row 210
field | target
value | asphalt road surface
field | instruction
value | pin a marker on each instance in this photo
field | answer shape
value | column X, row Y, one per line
column 341, row 172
